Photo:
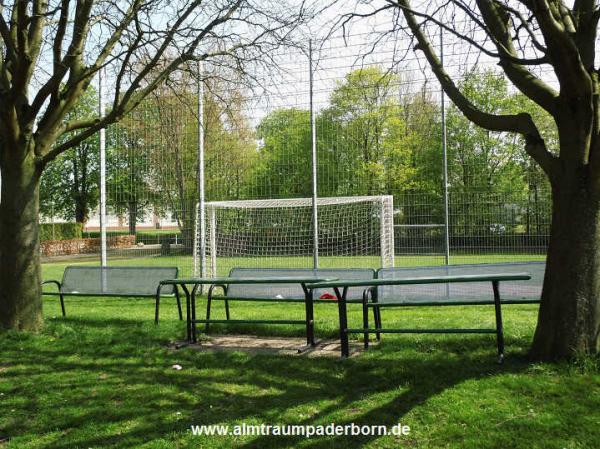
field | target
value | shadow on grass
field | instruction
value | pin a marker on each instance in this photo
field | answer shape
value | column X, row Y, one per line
column 109, row 383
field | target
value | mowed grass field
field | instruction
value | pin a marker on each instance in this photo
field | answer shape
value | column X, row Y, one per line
column 54, row 270
column 103, row 377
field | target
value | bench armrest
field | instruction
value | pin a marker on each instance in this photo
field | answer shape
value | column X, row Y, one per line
column 369, row 293
column 57, row 283
column 59, row 293
column 213, row 286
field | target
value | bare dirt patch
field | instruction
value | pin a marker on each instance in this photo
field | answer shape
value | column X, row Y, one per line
column 271, row 345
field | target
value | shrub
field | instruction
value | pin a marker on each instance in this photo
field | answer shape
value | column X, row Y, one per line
column 60, row 231
column 145, row 236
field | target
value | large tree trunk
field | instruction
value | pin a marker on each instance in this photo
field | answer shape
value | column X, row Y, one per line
column 81, row 211
column 569, row 316
column 132, row 208
column 186, row 226
column 20, row 276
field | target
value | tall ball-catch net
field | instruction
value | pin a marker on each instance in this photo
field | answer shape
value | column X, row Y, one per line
column 352, row 232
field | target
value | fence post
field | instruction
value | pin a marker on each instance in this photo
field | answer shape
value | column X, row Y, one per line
column 445, row 161
column 201, row 187
column 313, row 133
column 102, row 135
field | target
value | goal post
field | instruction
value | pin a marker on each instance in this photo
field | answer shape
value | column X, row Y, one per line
column 352, row 232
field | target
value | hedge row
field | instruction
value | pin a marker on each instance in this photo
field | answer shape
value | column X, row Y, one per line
column 60, row 231
column 146, row 237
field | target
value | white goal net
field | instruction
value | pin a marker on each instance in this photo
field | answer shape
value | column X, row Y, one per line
column 278, row 233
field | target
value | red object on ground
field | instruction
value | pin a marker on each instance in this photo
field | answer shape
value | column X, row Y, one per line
column 327, row 296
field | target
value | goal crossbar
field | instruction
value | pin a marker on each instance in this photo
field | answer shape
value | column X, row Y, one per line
column 293, row 202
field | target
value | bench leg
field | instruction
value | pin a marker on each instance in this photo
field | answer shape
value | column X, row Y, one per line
column 193, row 321
column 208, row 304
column 377, row 318
column 178, row 303
column 365, row 313
column 376, row 313
column 499, row 325
column 157, row 304
column 366, row 325
column 309, row 316
column 188, row 324
column 62, row 305
column 343, row 317
column 227, row 309
column 209, row 297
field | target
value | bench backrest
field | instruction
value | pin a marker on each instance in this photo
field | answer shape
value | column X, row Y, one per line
column 521, row 291
column 293, row 291
column 116, row 281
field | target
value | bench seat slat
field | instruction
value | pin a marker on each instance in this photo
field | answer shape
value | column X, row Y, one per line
column 105, row 295
column 250, row 321
column 424, row 280
column 408, row 303
column 422, row 331
column 512, row 291
column 294, row 300
column 115, row 281
column 283, row 291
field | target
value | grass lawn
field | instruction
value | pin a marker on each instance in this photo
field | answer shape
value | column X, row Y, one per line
column 54, row 270
column 103, row 377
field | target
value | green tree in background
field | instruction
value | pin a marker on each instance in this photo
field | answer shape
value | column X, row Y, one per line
column 284, row 165
column 417, row 183
column 69, row 185
column 229, row 142
column 362, row 115
column 171, row 124
column 485, row 170
column 372, row 139
column 130, row 192
column 538, row 200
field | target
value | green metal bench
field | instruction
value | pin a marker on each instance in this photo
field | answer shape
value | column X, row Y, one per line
column 372, row 299
column 138, row 282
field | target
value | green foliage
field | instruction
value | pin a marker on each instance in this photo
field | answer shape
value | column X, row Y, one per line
column 153, row 163
column 491, row 171
column 147, row 237
column 69, row 184
column 368, row 142
column 285, row 154
column 128, row 184
column 373, row 138
column 60, row 231
column 365, row 123
column 483, row 161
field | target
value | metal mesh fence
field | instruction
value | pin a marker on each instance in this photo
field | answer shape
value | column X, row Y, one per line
column 378, row 131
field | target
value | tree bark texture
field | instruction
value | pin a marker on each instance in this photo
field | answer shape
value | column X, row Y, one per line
column 569, row 315
column 20, row 272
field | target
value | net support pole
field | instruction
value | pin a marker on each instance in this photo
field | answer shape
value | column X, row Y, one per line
column 213, row 241
column 313, row 135
column 386, row 231
column 201, row 181
column 102, row 137
column 445, row 162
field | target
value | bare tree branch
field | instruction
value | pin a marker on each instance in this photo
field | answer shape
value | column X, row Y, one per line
column 144, row 56
column 518, row 123
column 522, row 78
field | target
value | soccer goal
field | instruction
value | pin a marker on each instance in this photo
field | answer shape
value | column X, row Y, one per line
column 352, row 232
